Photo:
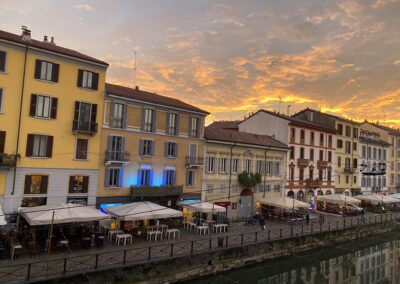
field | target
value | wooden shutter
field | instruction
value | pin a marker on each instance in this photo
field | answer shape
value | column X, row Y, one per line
column 124, row 116
column 76, row 113
column 111, row 121
column 3, row 56
column 80, row 77
column 190, row 126
column 2, row 141
column 177, row 125
column 152, row 147
column 166, row 149
column 85, row 184
column 107, row 178
column 167, row 123
column 32, row 109
column 71, row 184
column 28, row 181
column 121, row 177
column 142, row 122
column 29, row 146
column 154, row 122
column 94, row 113
column 198, row 128
column 95, row 81
column 38, row 68
column 141, row 147
column 49, row 146
column 45, row 182
column 54, row 103
column 176, row 149
column 54, row 72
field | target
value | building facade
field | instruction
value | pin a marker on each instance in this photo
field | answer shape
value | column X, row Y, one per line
column 310, row 163
column 151, row 148
column 229, row 153
column 51, row 99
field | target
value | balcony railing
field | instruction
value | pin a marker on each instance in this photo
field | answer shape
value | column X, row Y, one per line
column 322, row 164
column 90, row 127
column 7, row 161
column 194, row 161
column 313, row 183
column 163, row 190
column 117, row 156
column 302, row 162
column 348, row 170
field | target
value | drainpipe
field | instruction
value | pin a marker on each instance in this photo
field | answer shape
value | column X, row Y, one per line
column 230, row 171
column 19, row 120
column 265, row 170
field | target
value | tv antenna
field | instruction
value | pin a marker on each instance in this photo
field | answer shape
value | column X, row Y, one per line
column 134, row 71
column 279, row 108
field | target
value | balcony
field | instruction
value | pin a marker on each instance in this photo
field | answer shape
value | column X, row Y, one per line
column 194, row 162
column 7, row 161
column 302, row 162
column 117, row 157
column 348, row 170
column 90, row 127
column 313, row 183
column 156, row 191
column 322, row 164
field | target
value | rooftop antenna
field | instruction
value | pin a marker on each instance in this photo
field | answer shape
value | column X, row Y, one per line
column 288, row 107
column 320, row 104
column 134, row 71
column 279, row 108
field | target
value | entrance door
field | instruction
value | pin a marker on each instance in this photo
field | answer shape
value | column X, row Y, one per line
column 246, row 204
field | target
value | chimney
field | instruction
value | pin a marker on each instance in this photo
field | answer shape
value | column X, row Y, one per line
column 137, row 87
column 45, row 38
column 26, row 34
column 52, row 41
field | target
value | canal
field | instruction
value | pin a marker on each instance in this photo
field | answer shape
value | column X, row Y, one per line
column 366, row 261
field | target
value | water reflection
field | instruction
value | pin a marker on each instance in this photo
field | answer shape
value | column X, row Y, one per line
column 360, row 262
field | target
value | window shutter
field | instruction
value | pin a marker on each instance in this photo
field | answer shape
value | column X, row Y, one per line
column 174, row 179
column 80, row 77
column 49, row 145
column 125, row 116
column 32, row 109
column 76, row 112
column 38, row 67
column 111, row 121
column 29, row 146
column 123, row 144
column 215, row 165
column 107, row 178
column 154, row 126
column 141, row 147
column 94, row 113
column 44, row 185
column 109, row 147
column 2, row 141
column 3, row 55
column 166, row 149
column 95, row 81
column 164, row 179
column 177, row 125
column 28, row 181
column 198, row 128
column 54, row 103
column 176, row 149
column 152, row 143
column 54, row 73
column 139, row 178
column 190, row 126
column 187, row 177
column 142, row 122
column 167, row 123
column 71, row 184
column 121, row 177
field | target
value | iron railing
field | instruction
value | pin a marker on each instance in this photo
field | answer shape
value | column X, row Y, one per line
column 91, row 127
column 117, row 156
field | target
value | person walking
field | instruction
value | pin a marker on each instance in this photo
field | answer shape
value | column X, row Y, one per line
column 362, row 215
column 262, row 223
column 307, row 218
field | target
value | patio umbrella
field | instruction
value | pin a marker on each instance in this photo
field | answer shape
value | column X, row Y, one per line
column 339, row 199
column 284, row 203
column 142, row 211
column 396, row 195
column 202, row 206
column 376, row 199
column 60, row 213
column 2, row 217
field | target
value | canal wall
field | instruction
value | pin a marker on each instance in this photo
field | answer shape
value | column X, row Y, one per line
column 197, row 265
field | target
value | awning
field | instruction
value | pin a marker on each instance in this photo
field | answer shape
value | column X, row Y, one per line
column 2, row 217
column 284, row 203
column 63, row 213
column 338, row 199
column 396, row 195
column 202, row 206
column 376, row 199
column 142, row 211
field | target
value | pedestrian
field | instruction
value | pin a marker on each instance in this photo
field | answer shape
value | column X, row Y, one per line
column 262, row 223
column 307, row 218
column 321, row 218
column 362, row 215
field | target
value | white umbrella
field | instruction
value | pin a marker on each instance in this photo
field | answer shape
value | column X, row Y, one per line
column 2, row 218
column 338, row 199
column 396, row 195
column 142, row 211
column 63, row 213
column 376, row 199
column 202, row 206
column 284, row 203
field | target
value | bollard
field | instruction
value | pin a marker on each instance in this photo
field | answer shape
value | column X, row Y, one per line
column 291, row 231
column 210, row 245
column 149, row 256
column 301, row 229
column 97, row 261
column 65, row 266
column 124, row 261
column 226, row 244
column 172, row 250
column 191, row 247
column 255, row 238
column 280, row 233
column 28, row 275
column 320, row 226
column 241, row 240
column 269, row 235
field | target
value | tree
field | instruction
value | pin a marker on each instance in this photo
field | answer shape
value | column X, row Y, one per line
column 249, row 180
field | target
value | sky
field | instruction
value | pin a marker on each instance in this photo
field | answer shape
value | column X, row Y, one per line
column 232, row 58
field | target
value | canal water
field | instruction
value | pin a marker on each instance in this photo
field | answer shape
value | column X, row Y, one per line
column 366, row 261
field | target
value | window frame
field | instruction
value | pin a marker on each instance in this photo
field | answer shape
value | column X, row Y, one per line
column 194, row 178
column 174, row 127
column 151, row 123
column 76, row 148
column 85, row 190
column 2, row 95
column 168, row 148
column 44, row 149
column 151, row 149
column 5, row 62
column 43, row 182
column 118, row 181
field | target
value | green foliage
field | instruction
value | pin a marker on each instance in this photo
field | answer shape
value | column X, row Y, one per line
column 249, row 180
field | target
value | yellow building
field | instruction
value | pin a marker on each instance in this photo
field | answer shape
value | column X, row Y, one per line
column 228, row 153
column 51, row 100
column 392, row 136
column 152, row 148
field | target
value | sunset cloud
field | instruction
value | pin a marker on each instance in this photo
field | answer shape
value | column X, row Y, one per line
column 84, row 7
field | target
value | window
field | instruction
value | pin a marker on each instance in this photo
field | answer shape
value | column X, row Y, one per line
column 311, row 154
column 312, row 138
column 43, row 106
column 85, row 117
column 355, row 163
column 210, row 188
column 320, row 174
column 339, row 162
column 146, row 147
column 347, row 163
column 369, row 152
column 292, row 152
column 384, row 154
column 301, row 153
column 347, row 179
column 36, row 184
column 340, row 129
column 78, row 184
column 145, row 177
column 113, row 177
column 329, row 156
column 293, row 134
column 398, row 153
column 47, row 71
column 1, row 99
column 392, row 141
column 392, row 153
column 2, row 142
column 39, row 146
column 348, row 147
column 148, row 120
column 339, row 143
column 211, row 164
column 234, row 188
column 81, row 149
column 329, row 175
column 235, row 165
column 118, row 115
column 311, row 174
column 301, row 174
column 364, row 151
column 321, row 155
column 379, row 154
column 348, row 131
column 194, row 127
column 88, row 79
column 277, row 188
column 302, row 135
column 191, row 178
column 222, row 188
column 291, row 177
column 171, row 149
column 277, row 168
column 3, row 61
column 355, row 132
column 321, row 138
column 330, row 140
column 223, row 165
column 169, row 177
column 248, row 166
column 374, row 151
column 234, row 206
column 392, row 166
column 354, row 146
column 172, row 124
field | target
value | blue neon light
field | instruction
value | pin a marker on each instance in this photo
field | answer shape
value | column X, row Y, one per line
column 107, row 205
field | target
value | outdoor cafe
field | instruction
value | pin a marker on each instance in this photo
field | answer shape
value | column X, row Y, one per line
column 377, row 203
column 284, row 209
column 338, row 204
